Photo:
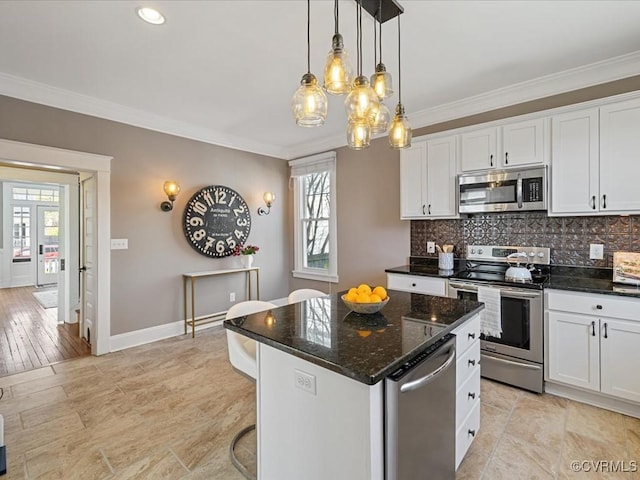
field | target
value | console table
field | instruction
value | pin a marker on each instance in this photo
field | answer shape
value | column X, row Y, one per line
column 189, row 279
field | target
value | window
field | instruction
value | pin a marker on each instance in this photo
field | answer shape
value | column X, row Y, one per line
column 316, row 255
column 49, row 195
column 21, row 234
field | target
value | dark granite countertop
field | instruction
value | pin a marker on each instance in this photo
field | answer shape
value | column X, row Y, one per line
column 589, row 280
column 427, row 267
column 363, row 347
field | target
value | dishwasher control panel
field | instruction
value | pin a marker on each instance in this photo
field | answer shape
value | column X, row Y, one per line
column 399, row 372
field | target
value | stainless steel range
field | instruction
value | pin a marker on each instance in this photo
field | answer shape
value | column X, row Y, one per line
column 512, row 351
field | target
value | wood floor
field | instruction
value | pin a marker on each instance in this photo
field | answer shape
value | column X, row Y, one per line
column 30, row 336
column 168, row 410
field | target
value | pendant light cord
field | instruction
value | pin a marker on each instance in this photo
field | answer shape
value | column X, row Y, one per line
column 308, row 36
column 359, row 37
column 399, row 66
column 335, row 15
column 375, row 43
column 380, row 26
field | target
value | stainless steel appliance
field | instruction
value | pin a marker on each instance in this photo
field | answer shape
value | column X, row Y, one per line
column 516, row 357
column 504, row 190
column 420, row 417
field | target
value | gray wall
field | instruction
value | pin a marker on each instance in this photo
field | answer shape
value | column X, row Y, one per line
column 146, row 282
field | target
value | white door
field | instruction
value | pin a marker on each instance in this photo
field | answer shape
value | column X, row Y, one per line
column 88, row 282
column 48, row 245
column 441, row 177
column 413, row 181
column 620, row 358
column 479, row 149
column 523, row 143
column 575, row 159
column 574, row 356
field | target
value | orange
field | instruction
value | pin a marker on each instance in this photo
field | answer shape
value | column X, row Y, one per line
column 373, row 298
column 353, row 290
column 363, row 298
column 364, row 333
column 380, row 291
column 364, row 288
column 351, row 296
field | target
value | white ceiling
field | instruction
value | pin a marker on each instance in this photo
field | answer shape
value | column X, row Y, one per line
column 224, row 71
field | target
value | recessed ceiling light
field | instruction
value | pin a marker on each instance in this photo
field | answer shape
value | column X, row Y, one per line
column 150, row 15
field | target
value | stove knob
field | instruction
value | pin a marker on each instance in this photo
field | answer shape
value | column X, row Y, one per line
column 480, row 251
column 473, row 251
column 532, row 254
column 541, row 255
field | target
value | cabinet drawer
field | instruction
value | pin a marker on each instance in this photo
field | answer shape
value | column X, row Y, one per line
column 417, row 284
column 467, row 396
column 468, row 363
column 594, row 304
column 466, row 334
column 466, row 433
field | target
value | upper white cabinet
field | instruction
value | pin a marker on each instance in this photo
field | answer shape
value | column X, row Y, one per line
column 428, row 179
column 510, row 145
column 594, row 164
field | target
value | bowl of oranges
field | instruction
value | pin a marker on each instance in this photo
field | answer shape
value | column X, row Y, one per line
column 364, row 299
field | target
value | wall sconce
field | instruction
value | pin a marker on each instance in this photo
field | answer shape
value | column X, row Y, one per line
column 172, row 189
column 269, row 198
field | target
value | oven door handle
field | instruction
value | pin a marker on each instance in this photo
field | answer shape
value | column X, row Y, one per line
column 514, row 294
column 517, row 364
column 463, row 287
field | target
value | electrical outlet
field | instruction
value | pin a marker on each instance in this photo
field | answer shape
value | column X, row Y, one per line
column 119, row 244
column 431, row 247
column 232, row 297
column 596, row 251
column 305, row 381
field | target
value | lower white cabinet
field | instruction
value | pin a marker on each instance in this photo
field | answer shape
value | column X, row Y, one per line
column 418, row 284
column 593, row 342
column 467, row 385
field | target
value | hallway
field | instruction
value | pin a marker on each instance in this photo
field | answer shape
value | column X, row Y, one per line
column 30, row 336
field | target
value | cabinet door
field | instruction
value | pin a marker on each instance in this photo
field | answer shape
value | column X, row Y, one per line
column 620, row 358
column 413, row 172
column 574, row 350
column 575, row 162
column 619, row 165
column 523, row 143
column 441, row 177
column 479, row 149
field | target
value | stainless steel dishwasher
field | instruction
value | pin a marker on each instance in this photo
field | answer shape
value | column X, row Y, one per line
column 420, row 420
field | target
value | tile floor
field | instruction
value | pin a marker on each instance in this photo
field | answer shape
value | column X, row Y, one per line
column 168, row 410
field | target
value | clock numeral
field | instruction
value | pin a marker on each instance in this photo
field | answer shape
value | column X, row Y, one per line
column 199, row 235
column 239, row 234
column 221, row 195
column 209, row 244
column 220, row 246
column 233, row 197
column 242, row 222
column 231, row 242
column 196, row 222
column 200, row 207
column 239, row 210
column 207, row 198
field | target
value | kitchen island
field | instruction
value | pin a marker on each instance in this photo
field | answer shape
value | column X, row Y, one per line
column 320, row 389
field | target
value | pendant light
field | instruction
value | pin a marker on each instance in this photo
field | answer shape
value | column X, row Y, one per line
column 382, row 119
column 309, row 102
column 381, row 79
column 400, row 130
column 338, row 73
column 362, row 102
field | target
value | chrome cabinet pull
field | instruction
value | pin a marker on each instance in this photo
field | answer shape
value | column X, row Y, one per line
column 604, row 201
column 606, row 334
column 491, row 160
column 472, row 433
column 593, row 328
column 506, row 158
column 593, row 202
column 472, row 395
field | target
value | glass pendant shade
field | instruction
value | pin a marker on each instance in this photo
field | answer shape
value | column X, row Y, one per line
column 382, row 119
column 400, row 130
column 381, row 82
column 362, row 102
column 338, row 73
column 309, row 103
column 358, row 134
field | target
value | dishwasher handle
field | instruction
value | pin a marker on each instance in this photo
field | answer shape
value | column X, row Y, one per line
column 421, row 382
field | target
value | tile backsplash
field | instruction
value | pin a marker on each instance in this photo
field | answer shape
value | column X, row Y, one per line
column 567, row 237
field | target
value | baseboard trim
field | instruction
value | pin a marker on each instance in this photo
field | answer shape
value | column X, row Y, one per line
column 593, row 398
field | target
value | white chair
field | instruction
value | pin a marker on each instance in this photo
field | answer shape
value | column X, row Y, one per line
column 242, row 355
column 304, row 294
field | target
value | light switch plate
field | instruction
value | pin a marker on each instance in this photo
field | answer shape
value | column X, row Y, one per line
column 119, row 243
column 596, row 251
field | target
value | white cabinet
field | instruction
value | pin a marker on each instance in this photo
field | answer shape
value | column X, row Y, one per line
column 428, row 179
column 594, row 163
column 418, row 284
column 467, row 385
column 511, row 145
column 593, row 342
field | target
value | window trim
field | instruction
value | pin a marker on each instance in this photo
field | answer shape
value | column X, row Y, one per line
column 303, row 166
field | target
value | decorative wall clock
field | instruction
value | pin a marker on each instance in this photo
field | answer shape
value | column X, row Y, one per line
column 215, row 220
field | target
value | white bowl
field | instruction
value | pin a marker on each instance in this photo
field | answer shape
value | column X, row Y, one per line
column 365, row 307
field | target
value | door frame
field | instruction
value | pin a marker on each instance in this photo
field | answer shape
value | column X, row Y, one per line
column 26, row 154
column 39, row 233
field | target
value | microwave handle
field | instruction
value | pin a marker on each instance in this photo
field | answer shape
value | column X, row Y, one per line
column 519, row 190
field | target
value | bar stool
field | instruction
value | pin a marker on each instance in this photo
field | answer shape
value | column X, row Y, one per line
column 304, row 294
column 242, row 355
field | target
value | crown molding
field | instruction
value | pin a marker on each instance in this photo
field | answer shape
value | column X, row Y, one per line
column 28, row 90
column 609, row 70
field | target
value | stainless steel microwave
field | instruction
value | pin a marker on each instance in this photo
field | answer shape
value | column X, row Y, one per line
column 503, row 191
